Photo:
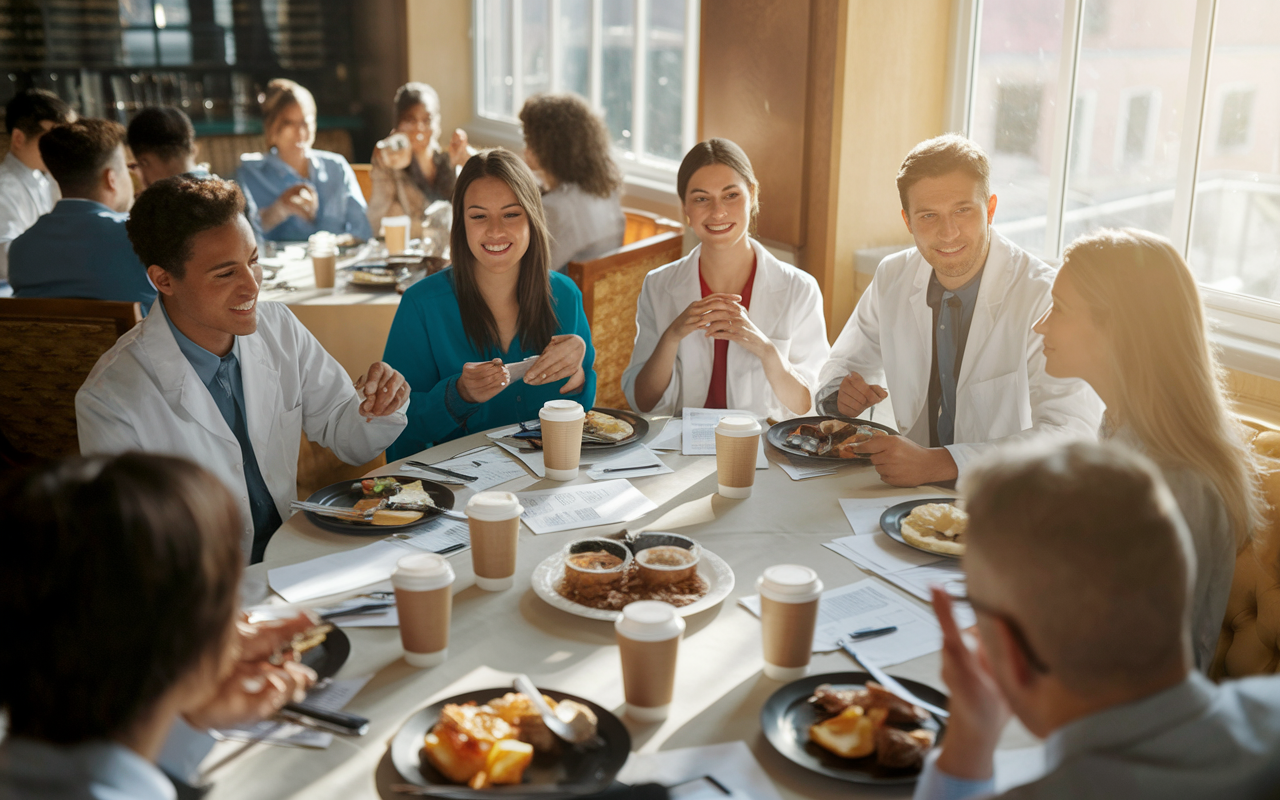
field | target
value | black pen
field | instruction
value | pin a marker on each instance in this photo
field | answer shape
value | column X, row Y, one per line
column 628, row 469
column 871, row 633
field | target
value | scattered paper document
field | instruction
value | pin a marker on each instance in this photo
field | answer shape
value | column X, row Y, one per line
column 530, row 458
column 731, row 765
column 864, row 513
column 699, row 428
column 565, row 508
column 913, row 570
column 867, row 604
column 636, row 462
column 329, row 697
column 799, row 473
column 488, row 465
column 671, row 436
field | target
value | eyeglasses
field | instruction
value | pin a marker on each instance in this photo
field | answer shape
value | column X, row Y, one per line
column 1019, row 638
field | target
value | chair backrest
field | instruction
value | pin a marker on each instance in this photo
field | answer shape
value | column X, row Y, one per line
column 364, row 176
column 643, row 225
column 49, row 348
column 1250, row 640
column 610, row 288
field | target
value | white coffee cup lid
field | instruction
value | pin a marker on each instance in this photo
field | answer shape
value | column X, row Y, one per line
column 422, row 572
column 494, row 506
column 789, row 583
column 649, row 621
column 395, row 222
column 561, row 411
column 737, row 426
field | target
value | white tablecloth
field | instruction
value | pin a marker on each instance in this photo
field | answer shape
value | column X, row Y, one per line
column 720, row 687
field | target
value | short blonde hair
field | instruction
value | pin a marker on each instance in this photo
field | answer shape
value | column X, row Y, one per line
column 282, row 93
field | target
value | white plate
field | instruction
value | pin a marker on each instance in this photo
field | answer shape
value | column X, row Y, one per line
column 711, row 567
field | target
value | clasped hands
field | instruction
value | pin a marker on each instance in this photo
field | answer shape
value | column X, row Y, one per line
column 721, row 316
column 481, row 381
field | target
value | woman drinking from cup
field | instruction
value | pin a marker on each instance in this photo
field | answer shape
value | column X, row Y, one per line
column 567, row 145
column 457, row 331
column 410, row 168
column 1127, row 318
column 729, row 325
column 300, row 190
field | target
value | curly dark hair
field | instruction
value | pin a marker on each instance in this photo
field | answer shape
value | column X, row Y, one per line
column 77, row 152
column 171, row 212
column 571, row 142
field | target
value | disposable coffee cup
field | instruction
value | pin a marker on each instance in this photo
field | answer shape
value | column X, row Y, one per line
column 737, row 444
column 494, row 521
column 396, row 232
column 789, row 596
column 424, row 601
column 649, row 634
column 561, row 438
column 323, row 249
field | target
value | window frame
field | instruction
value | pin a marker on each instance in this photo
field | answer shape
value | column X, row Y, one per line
column 1246, row 329
column 645, row 176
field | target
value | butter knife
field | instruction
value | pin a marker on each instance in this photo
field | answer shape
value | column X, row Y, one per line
column 892, row 684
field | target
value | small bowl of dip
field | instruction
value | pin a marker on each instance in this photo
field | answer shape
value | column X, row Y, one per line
column 592, row 563
column 665, row 558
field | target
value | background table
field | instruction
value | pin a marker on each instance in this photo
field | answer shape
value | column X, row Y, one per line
column 719, row 688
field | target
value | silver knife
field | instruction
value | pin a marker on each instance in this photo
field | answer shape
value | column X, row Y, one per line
column 891, row 684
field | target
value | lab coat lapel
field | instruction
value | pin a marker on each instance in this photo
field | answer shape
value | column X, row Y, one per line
column 995, row 276
column 262, row 397
column 745, row 372
column 696, row 350
column 182, row 388
column 911, row 399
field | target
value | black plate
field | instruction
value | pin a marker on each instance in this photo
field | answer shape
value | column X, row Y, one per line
column 777, row 436
column 639, row 429
column 342, row 495
column 891, row 522
column 787, row 715
column 574, row 767
column 329, row 656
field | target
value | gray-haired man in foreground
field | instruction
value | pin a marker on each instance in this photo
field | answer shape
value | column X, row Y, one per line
column 1079, row 568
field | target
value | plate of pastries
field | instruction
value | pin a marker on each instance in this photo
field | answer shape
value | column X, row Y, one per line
column 845, row 725
column 400, row 502
column 603, row 429
column 493, row 739
column 935, row 525
column 825, row 438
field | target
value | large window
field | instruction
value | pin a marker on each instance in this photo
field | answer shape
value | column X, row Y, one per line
column 1174, row 127
column 635, row 61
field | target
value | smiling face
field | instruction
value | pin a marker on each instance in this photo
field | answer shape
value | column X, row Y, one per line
column 216, row 299
column 497, row 226
column 1075, row 344
column 294, row 130
column 951, row 222
column 718, row 203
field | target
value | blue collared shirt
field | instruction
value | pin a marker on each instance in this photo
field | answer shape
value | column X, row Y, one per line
column 100, row 770
column 341, row 207
column 221, row 376
column 79, row 250
column 955, row 313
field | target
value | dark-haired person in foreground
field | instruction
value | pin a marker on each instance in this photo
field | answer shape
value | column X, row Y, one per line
column 27, row 191
column 121, row 598
column 498, row 304
column 1079, row 569
column 80, row 249
column 163, row 142
column 944, row 327
column 219, row 379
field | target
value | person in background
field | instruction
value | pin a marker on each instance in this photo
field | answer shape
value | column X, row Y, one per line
column 408, row 179
column 729, row 325
column 1127, row 319
column 219, row 379
column 80, row 249
column 567, row 146
column 455, row 330
column 121, row 597
column 163, row 143
column 26, row 189
column 1079, row 568
column 297, row 189
column 946, row 326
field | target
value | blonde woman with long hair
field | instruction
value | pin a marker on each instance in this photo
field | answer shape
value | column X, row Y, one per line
column 1127, row 318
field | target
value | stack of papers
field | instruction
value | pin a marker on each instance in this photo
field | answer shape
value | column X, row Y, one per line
column 799, row 472
column 488, row 465
column 867, row 604
column 565, row 508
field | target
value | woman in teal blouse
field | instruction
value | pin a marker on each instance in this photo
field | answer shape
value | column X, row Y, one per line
column 456, row 331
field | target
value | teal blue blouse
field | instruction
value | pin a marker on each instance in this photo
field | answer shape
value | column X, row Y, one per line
column 428, row 346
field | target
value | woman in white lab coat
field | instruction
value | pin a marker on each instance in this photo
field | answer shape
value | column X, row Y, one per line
column 729, row 325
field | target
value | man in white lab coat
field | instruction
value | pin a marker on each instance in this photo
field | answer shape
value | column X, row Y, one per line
column 212, row 376
column 944, row 331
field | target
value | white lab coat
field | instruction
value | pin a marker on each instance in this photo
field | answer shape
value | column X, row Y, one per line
column 786, row 305
column 143, row 394
column 1003, row 393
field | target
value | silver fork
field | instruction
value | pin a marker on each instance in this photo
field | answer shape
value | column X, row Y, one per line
column 331, row 511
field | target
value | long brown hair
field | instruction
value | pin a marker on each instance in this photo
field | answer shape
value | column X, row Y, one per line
column 571, row 142
column 1170, row 387
column 536, row 322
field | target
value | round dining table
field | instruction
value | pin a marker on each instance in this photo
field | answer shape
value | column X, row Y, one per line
column 720, row 686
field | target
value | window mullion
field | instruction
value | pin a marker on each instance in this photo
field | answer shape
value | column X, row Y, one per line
column 596, row 67
column 517, row 56
column 1184, row 192
column 479, row 68
column 639, row 68
column 966, row 41
column 689, row 115
column 1059, row 155
column 553, row 44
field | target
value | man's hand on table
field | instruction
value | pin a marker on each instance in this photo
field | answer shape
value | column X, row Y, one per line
column 978, row 709
column 384, row 390
column 902, row 462
column 254, row 689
